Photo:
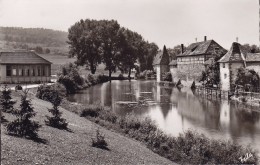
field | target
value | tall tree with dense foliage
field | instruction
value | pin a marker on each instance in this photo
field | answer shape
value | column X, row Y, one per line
column 23, row 126
column 110, row 47
column 132, row 46
column 176, row 50
column 146, row 55
column 251, row 48
column 84, row 40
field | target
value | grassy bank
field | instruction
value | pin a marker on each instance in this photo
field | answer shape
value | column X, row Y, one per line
column 61, row 147
column 188, row 148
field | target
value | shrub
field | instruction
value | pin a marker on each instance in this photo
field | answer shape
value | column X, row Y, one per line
column 47, row 92
column 56, row 120
column 70, row 78
column 146, row 74
column 18, row 87
column 92, row 79
column 91, row 111
column 243, row 99
column 99, row 141
column 22, row 126
column 121, row 76
column 168, row 77
column 6, row 101
column 187, row 148
column 102, row 78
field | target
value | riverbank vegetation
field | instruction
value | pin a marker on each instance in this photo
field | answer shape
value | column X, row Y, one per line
column 189, row 147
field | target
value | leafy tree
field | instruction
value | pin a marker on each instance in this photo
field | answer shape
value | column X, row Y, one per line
column 251, row 48
column 110, row 48
column 38, row 49
column 56, row 120
column 6, row 101
column 22, row 126
column 211, row 74
column 84, row 40
column 152, row 50
column 173, row 52
column 248, row 79
column 70, row 78
column 132, row 45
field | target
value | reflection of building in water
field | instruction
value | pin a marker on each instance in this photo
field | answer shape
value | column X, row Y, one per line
column 158, row 94
column 106, row 98
column 197, row 110
column 137, row 90
column 225, row 114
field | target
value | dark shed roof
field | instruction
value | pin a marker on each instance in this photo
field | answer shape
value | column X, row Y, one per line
column 21, row 58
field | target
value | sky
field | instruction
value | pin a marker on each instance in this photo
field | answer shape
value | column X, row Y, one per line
column 165, row 22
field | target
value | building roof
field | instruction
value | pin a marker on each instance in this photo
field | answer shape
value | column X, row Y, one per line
column 197, row 48
column 162, row 58
column 238, row 53
column 22, row 58
column 253, row 57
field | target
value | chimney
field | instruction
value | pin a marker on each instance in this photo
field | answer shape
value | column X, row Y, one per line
column 205, row 38
column 182, row 49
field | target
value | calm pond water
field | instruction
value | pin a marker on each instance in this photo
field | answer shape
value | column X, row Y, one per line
column 175, row 111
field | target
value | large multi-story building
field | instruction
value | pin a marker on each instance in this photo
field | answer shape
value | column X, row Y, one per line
column 189, row 64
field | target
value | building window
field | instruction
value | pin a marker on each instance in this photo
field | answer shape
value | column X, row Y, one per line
column 14, row 72
column 224, row 65
column 39, row 71
column 33, row 72
column 43, row 71
column 20, row 72
column 8, row 70
column 225, row 76
column 28, row 72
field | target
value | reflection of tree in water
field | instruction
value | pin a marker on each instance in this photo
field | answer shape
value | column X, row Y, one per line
column 246, row 113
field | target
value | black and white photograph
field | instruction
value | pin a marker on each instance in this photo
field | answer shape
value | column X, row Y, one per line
column 129, row 82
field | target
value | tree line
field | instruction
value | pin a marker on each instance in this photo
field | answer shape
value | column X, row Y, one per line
column 47, row 37
column 105, row 41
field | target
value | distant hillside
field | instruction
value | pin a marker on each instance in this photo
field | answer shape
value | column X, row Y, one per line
column 46, row 37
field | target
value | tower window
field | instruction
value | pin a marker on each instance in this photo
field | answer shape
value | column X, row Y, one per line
column 224, row 65
column 225, row 76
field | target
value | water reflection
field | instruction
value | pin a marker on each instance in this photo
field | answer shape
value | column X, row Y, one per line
column 176, row 110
